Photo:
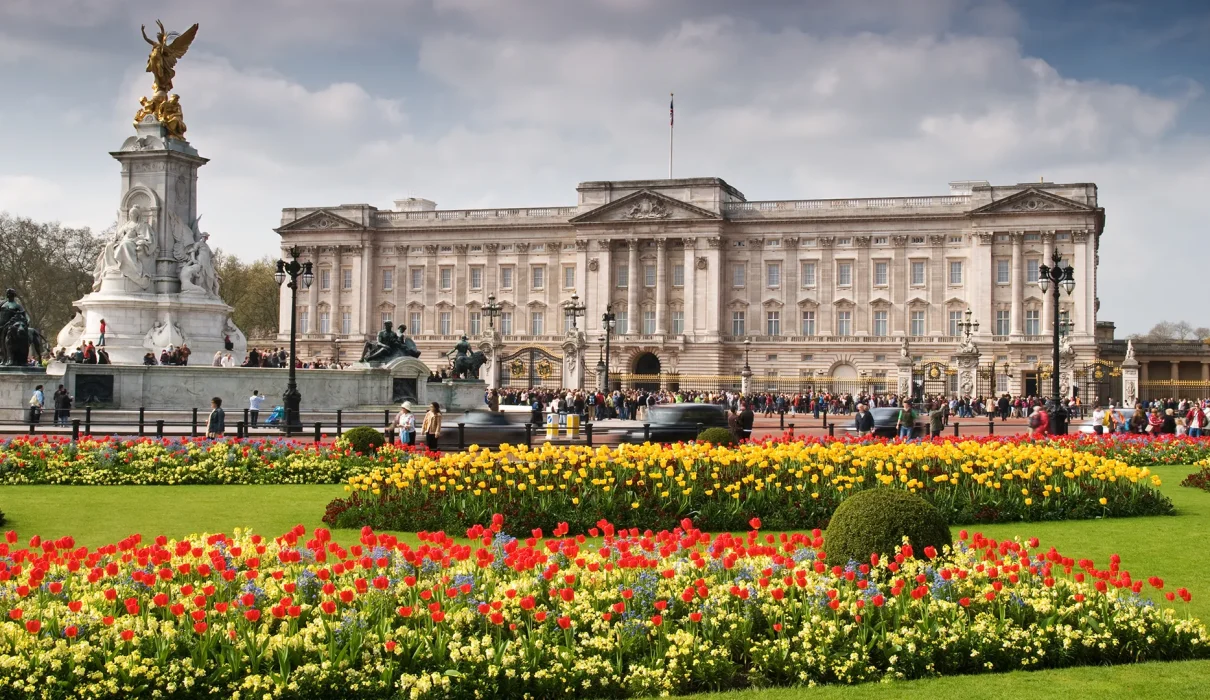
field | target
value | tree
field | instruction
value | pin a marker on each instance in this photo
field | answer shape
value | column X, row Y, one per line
column 50, row 266
column 249, row 288
column 1169, row 330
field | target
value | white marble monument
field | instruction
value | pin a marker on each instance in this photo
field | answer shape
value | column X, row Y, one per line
column 154, row 283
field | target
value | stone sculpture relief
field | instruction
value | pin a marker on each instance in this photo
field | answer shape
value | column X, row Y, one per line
column 127, row 252
column 197, row 272
column 71, row 334
column 648, row 208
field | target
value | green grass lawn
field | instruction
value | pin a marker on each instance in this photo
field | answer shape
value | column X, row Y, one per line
column 1168, row 547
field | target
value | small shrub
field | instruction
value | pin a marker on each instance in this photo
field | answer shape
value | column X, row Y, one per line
column 365, row 439
column 717, row 436
column 877, row 521
column 1199, row 479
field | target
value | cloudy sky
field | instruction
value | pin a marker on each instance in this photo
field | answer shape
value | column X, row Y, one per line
column 477, row 103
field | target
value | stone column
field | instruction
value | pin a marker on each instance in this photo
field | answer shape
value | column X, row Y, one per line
column 633, row 282
column 690, row 291
column 1081, row 310
column 1175, row 372
column 903, row 378
column 899, row 286
column 1018, row 286
column 489, row 344
column 863, row 282
column 1130, row 378
column 1206, row 372
column 369, row 281
column 968, row 368
column 312, row 254
column 1048, row 247
column 337, row 292
column 661, row 287
column 573, row 360
column 938, row 271
column 825, row 278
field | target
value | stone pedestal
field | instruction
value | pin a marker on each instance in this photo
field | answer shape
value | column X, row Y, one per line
column 573, row 360
column 968, row 371
column 142, row 304
column 903, row 378
column 459, row 395
column 489, row 344
column 745, row 380
column 1130, row 381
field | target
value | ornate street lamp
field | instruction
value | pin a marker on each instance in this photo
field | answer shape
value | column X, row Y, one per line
column 747, row 347
column 608, row 320
column 968, row 326
column 573, row 309
column 1050, row 278
column 491, row 309
column 294, row 271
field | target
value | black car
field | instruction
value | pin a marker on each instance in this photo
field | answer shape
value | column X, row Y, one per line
column 485, row 428
column 678, row 422
column 886, row 418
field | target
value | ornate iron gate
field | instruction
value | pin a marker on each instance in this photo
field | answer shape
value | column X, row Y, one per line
column 1097, row 382
column 530, row 367
column 930, row 379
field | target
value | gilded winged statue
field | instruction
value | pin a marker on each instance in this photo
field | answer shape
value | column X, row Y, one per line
column 166, row 50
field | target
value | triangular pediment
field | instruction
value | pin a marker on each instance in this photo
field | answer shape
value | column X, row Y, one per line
column 321, row 220
column 644, row 206
column 1032, row 201
column 880, row 301
column 917, row 301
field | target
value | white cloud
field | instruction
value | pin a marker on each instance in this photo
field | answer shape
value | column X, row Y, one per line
column 29, row 195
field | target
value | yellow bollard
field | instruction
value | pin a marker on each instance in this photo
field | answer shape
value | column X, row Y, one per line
column 573, row 425
column 552, row 427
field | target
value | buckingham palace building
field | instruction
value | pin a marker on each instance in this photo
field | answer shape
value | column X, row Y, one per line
column 703, row 282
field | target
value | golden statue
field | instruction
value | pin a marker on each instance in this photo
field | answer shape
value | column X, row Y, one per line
column 166, row 50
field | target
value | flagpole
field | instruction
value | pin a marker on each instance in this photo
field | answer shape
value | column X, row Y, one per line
column 671, row 121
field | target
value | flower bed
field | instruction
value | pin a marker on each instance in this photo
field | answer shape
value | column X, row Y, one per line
column 789, row 484
column 146, row 461
column 628, row 614
column 1199, row 479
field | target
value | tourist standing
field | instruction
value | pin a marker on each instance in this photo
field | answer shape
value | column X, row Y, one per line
column 216, row 423
column 863, row 422
column 432, row 425
column 746, row 419
column 905, row 420
column 255, row 401
column 37, row 401
column 62, row 402
column 1194, row 420
column 405, row 423
column 101, row 338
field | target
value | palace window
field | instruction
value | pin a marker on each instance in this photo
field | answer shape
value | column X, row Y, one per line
column 881, row 274
column 475, row 322
column 325, row 278
column 623, row 322
column 1002, row 276
column 844, row 323
column 1031, row 271
column 325, row 323
column 537, row 277
column 506, row 277
column 346, row 322
column 678, row 322
column 346, row 278
column 447, row 278
column 880, row 324
column 648, row 322
column 506, row 323
column 917, row 273
column 955, row 272
column 916, row 324
column 443, row 322
column 623, row 276
column 880, row 240
column 844, row 274
column 773, row 274
column 808, row 274
column 388, row 279
column 737, row 323
column 678, row 275
column 738, row 271
column 537, row 323
column 417, row 274
column 477, row 277
column 304, row 322
column 1033, row 237
column 808, row 324
column 1002, row 322
column 649, row 275
column 955, row 318
column 772, row 323
column 384, row 317
column 569, row 276
column 414, row 326
column 1033, row 322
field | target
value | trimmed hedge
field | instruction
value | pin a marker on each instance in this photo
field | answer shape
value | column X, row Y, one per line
column 717, row 436
column 365, row 440
column 876, row 521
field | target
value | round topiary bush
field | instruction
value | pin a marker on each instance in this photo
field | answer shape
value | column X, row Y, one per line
column 877, row 520
column 717, row 436
column 365, row 439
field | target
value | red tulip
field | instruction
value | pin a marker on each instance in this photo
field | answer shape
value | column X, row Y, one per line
column 564, row 622
column 71, row 631
column 127, row 635
column 32, row 626
column 200, row 627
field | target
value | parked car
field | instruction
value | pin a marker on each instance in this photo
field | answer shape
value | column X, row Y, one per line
column 678, row 422
column 1088, row 426
column 481, row 427
column 885, row 419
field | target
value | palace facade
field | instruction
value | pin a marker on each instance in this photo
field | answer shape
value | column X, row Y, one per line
column 822, row 289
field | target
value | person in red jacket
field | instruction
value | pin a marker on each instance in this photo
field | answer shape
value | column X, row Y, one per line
column 1039, row 421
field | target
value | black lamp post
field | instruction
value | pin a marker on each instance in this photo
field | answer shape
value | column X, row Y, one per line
column 294, row 271
column 608, row 320
column 967, row 326
column 573, row 309
column 1051, row 277
column 491, row 310
column 747, row 348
